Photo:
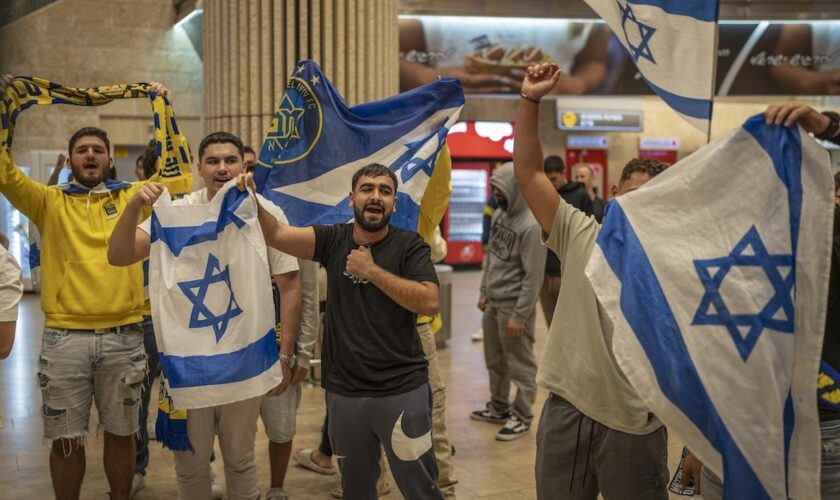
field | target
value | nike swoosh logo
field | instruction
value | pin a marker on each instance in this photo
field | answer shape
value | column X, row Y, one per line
column 409, row 449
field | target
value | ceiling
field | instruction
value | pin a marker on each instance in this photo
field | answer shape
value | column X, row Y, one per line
column 577, row 9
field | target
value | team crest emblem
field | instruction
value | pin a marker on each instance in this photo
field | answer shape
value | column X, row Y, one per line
column 296, row 126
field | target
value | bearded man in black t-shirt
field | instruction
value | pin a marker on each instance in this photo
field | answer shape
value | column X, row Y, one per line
column 374, row 370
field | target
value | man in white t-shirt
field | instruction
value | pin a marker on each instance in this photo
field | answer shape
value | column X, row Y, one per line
column 11, row 290
column 220, row 160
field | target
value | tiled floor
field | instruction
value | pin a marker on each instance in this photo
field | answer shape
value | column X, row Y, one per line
column 486, row 468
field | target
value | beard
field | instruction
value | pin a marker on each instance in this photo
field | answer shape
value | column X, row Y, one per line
column 371, row 227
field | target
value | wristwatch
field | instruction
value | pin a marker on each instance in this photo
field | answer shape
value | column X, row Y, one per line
column 833, row 126
column 288, row 359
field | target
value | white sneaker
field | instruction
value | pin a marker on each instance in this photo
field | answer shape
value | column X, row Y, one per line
column 478, row 336
column 276, row 494
column 138, row 482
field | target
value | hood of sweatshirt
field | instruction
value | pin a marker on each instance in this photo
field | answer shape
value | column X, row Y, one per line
column 504, row 180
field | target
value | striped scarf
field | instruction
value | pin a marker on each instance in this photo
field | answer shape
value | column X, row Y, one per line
column 173, row 163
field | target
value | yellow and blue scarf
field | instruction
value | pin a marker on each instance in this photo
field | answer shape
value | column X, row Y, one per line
column 174, row 157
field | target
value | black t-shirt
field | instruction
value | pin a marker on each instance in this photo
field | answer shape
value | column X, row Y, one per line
column 371, row 346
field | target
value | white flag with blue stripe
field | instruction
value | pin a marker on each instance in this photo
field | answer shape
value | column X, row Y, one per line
column 715, row 275
column 211, row 299
column 316, row 143
column 674, row 46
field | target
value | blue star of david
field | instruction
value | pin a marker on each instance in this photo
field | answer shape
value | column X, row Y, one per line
column 776, row 315
column 196, row 291
column 645, row 33
column 412, row 165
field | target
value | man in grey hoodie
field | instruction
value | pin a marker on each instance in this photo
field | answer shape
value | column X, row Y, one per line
column 513, row 272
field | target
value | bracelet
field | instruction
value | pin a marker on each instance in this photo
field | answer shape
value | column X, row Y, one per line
column 528, row 98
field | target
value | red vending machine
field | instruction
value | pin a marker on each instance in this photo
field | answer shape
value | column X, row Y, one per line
column 663, row 149
column 591, row 150
column 476, row 149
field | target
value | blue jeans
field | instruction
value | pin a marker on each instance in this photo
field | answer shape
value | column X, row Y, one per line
column 142, row 437
column 829, row 472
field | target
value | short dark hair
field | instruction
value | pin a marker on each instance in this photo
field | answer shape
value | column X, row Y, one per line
column 89, row 132
column 644, row 165
column 248, row 149
column 221, row 138
column 554, row 164
column 149, row 161
column 374, row 170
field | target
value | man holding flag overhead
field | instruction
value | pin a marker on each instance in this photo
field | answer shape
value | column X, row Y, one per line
column 825, row 126
column 719, row 312
column 93, row 340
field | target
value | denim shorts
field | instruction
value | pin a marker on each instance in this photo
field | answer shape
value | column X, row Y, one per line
column 279, row 414
column 77, row 367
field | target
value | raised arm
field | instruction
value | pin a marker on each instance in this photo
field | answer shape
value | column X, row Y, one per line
column 128, row 243
column 538, row 191
column 60, row 163
column 296, row 241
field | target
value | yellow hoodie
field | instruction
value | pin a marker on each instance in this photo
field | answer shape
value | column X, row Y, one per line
column 79, row 288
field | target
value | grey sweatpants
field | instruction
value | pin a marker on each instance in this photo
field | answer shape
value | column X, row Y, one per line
column 401, row 424
column 510, row 360
column 577, row 457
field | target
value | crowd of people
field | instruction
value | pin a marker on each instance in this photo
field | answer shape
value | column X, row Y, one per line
column 380, row 372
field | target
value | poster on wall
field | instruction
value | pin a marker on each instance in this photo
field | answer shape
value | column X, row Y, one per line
column 490, row 55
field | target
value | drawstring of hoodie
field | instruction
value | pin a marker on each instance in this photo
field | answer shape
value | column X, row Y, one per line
column 101, row 216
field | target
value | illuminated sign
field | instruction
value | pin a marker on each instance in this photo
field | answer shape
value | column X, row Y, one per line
column 601, row 120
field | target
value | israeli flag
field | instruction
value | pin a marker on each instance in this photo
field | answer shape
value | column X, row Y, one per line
column 211, row 299
column 316, row 143
column 715, row 276
column 674, row 46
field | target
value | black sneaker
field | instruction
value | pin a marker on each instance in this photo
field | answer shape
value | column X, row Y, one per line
column 488, row 414
column 513, row 429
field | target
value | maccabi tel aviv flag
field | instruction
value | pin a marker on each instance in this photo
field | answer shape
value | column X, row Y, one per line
column 210, row 291
column 717, row 292
column 674, row 46
column 316, row 143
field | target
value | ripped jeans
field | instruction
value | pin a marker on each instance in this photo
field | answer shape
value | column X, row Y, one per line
column 77, row 367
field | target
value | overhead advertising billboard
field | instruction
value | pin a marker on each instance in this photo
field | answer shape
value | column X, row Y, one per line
column 490, row 54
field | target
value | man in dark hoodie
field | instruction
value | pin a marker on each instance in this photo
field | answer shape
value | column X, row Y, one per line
column 573, row 193
column 513, row 271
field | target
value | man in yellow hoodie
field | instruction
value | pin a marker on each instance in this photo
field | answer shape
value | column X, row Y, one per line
column 93, row 341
